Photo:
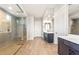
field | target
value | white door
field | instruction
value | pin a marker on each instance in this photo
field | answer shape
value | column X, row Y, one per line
column 38, row 28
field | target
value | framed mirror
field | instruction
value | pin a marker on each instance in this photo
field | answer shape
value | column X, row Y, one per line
column 74, row 19
column 47, row 26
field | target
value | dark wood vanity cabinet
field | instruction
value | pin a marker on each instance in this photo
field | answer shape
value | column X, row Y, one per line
column 62, row 48
column 67, row 48
column 49, row 37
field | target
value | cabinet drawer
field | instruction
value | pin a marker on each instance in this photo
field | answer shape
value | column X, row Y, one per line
column 72, row 45
column 73, row 51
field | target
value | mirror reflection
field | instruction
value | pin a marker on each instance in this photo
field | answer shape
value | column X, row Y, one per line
column 74, row 19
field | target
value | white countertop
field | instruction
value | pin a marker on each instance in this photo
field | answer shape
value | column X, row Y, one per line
column 49, row 32
column 71, row 37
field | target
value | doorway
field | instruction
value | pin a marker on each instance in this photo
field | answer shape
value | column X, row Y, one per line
column 21, row 30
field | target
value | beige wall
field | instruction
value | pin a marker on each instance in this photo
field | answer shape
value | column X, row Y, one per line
column 7, row 37
column 4, row 21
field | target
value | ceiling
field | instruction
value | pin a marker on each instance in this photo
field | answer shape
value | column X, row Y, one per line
column 12, row 9
column 37, row 10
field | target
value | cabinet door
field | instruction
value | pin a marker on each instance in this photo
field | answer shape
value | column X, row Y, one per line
column 60, row 46
column 66, row 47
column 50, row 37
column 72, row 47
column 65, row 50
column 72, row 51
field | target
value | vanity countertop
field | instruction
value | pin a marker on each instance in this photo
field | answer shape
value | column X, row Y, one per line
column 71, row 37
column 48, row 32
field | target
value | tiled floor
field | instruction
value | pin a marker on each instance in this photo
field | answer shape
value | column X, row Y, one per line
column 38, row 47
column 31, row 47
column 10, row 49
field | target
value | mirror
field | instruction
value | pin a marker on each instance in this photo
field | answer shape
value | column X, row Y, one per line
column 47, row 26
column 75, row 26
column 74, row 19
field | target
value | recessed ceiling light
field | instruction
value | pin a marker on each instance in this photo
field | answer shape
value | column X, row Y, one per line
column 10, row 8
